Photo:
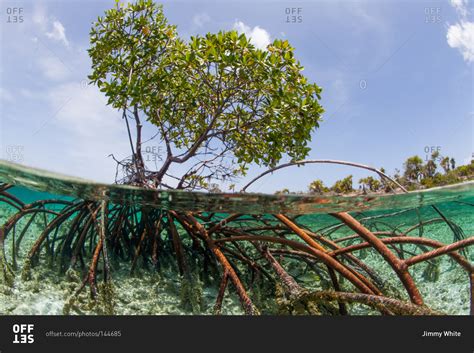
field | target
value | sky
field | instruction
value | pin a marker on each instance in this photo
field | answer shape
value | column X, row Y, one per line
column 397, row 80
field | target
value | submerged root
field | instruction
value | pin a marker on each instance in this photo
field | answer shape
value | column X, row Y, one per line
column 102, row 304
column 230, row 253
column 26, row 271
column 106, row 298
column 431, row 272
column 191, row 294
column 8, row 275
column 73, row 275
column 303, row 304
column 380, row 303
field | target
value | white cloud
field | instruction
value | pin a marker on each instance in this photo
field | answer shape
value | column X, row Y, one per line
column 53, row 68
column 339, row 89
column 49, row 25
column 5, row 95
column 461, row 34
column 93, row 129
column 58, row 33
column 84, row 110
column 201, row 19
column 460, row 6
column 39, row 16
column 258, row 36
column 64, row 126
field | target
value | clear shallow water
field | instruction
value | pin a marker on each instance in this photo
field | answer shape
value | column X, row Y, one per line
column 249, row 203
column 148, row 292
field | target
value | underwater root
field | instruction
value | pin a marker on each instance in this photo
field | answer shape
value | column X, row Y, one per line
column 397, row 307
column 234, row 253
column 247, row 304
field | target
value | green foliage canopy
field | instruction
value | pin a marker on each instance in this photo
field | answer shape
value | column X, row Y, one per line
column 317, row 187
column 215, row 92
column 370, row 183
column 413, row 168
column 343, row 186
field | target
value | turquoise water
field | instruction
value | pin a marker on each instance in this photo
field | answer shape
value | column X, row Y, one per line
column 249, row 203
column 156, row 284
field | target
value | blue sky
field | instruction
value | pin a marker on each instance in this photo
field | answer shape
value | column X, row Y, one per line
column 397, row 76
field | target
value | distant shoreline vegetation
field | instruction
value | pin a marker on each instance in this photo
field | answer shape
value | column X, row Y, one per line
column 416, row 175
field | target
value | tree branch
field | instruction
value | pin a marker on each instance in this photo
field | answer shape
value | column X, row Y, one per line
column 327, row 161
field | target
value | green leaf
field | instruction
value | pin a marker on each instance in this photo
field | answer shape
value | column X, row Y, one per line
column 258, row 100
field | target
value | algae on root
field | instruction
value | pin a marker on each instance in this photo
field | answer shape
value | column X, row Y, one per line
column 191, row 294
column 8, row 274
